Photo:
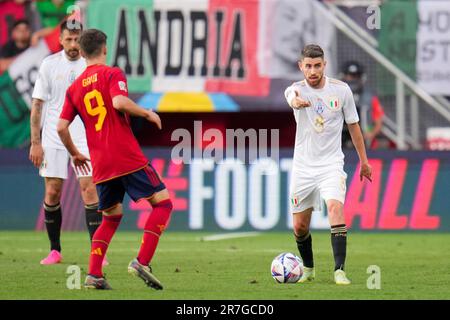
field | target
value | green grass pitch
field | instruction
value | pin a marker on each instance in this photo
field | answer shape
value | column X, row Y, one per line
column 413, row 266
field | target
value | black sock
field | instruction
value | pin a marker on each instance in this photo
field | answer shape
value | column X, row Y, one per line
column 53, row 220
column 93, row 218
column 304, row 245
column 339, row 244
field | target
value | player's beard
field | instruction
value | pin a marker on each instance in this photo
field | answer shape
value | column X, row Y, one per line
column 73, row 54
column 315, row 82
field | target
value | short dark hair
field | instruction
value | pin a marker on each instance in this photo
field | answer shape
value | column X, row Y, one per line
column 21, row 21
column 312, row 51
column 92, row 41
column 72, row 26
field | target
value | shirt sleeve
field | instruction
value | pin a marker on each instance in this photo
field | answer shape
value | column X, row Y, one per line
column 69, row 111
column 349, row 108
column 289, row 94
column 41, row 89
column 118, row 83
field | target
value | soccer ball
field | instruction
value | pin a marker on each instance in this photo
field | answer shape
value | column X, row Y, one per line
column 287, row 268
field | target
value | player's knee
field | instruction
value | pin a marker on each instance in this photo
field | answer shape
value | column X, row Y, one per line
column 113, row 211
column 89, row 193
column 167, row 203
column 88, row 189
column 52, row 195
column 335, row 209
column 165, row 207
column 300, row 228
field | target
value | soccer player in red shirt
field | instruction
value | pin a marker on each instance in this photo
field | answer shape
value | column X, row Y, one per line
column 99, row 96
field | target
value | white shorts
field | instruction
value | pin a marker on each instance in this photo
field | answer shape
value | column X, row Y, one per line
column 55, row 164
column 308, row 187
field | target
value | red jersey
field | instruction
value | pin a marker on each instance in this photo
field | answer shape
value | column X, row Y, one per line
column 114, row 151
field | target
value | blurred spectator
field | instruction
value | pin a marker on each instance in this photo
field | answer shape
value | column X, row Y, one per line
column 20, row 39
column 368, row 105
column 53, row 11
column 10, row 11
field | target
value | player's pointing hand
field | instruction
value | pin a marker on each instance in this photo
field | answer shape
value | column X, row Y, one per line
column 298, row 103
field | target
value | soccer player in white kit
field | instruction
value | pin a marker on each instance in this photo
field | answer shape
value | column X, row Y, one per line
column 321, row 105
column 56, row 74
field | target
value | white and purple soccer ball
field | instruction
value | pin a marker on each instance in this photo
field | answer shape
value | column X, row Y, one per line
column 287, row 268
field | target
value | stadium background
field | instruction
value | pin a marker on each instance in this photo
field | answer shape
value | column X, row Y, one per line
column 226, row 63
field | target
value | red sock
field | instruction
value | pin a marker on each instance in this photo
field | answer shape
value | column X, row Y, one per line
column 155, row 225
column 100, row 243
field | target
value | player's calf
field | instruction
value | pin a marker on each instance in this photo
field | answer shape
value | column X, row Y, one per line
column 93, row 218
column 339, row 245
column 154, row 227
column 304, row 245
column 100, row 243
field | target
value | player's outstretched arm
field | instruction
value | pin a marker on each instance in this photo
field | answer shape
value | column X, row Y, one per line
column 358, row 142
column 294, row 99
column 79, row 160
column 36, row 152
column 125, row 104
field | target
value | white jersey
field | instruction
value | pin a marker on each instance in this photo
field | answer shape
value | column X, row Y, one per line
column 56, row 74
column 319, row 127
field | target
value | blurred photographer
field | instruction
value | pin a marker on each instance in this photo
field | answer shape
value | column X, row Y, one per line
column 368, row 105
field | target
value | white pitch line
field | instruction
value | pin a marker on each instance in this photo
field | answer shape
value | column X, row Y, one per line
column 226, row 236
